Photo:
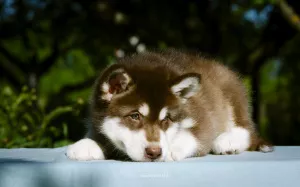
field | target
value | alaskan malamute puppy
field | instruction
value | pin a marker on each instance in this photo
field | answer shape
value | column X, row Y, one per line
column 167, row 106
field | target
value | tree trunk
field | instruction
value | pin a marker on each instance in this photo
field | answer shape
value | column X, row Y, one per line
column 255, row 84
column 256, row 97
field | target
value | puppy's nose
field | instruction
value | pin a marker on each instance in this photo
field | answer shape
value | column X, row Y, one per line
column 153, row 152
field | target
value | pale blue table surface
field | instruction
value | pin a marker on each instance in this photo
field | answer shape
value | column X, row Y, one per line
column 51, row 168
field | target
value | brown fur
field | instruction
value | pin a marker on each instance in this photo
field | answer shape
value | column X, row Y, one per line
column 151, row 76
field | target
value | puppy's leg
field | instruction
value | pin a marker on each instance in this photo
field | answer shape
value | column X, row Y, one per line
column 243, row 135
column 85, row 149
column 259, row 144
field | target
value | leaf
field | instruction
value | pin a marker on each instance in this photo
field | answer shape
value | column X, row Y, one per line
column 55, row 113
column 65, row 130
column 71, row 69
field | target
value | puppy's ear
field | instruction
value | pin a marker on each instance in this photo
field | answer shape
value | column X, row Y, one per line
column 115, row 81
column 186, row 86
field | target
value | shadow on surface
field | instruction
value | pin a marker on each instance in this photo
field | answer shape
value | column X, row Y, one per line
column 21, row 172
column 18, row 160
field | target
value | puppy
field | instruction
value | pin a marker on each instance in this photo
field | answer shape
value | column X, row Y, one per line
column 167, row 106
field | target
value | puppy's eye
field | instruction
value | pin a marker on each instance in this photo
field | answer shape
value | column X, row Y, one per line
column 135, row 116
column 165, row 123
column 167, row 118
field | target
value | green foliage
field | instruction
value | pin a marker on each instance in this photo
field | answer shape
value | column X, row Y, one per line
column 262, row 2
column 24, row 124
column 70, row 69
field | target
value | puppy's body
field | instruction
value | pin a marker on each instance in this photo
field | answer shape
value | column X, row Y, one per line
column 168, row 106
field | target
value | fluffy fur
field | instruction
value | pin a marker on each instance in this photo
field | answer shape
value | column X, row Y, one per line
column 180, row 104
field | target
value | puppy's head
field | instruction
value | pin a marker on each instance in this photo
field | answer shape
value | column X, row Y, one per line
column 144, row 109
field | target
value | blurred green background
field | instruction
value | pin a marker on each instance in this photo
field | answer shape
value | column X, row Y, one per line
column 52, row 50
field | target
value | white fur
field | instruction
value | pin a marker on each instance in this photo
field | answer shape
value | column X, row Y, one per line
column 181, row 143
column 163, row 113
column 166, row 137
column 187, row 123
column 182, row 146
column 128, row 79
column 144, row 109
column 133, row 143
column 85, row 149
column 106, row 96
column 105, row 87
column 186, row 83
column 171, row 132
column 235, row 140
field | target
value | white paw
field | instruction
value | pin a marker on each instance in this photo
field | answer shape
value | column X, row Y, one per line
column 183, row 146
column 235, row 141
column 85, row 149
column 169, row 158
column 175, row 156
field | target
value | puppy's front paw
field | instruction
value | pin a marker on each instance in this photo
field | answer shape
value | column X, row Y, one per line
column 175, row 155
column 169, row 158
column 183, row 146
column 233, row 142
column 85, row 149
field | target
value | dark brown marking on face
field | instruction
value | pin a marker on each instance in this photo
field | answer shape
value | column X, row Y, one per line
column 152, row 133
column 152, row 88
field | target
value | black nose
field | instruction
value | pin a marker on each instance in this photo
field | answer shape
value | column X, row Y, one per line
column 153, row 152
